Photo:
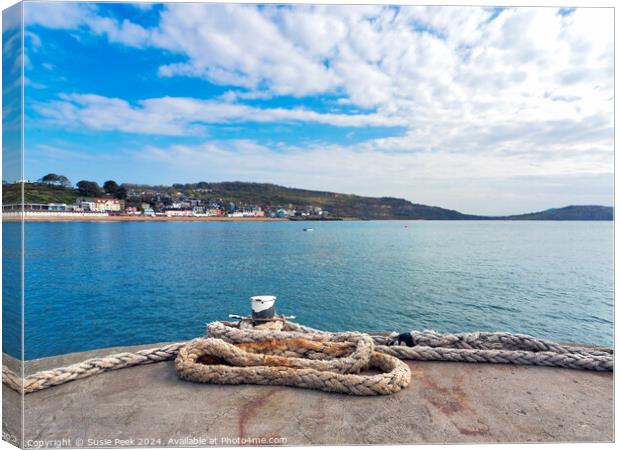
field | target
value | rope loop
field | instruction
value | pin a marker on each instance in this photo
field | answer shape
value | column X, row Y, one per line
column 327, row 366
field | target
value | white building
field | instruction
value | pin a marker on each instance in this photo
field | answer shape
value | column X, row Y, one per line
column 179, row 213
column 100, row 204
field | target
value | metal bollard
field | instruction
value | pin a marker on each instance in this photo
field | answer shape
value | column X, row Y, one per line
column 262, row 308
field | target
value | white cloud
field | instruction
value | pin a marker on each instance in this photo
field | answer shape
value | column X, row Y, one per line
column 125, row 32
column 182, row 116
column 65, row 15
column 489, row 183
column 414, row 61
column 73, row 16
column 143, row 6
column 236, row 44
column 56, row 153
column 383, row 158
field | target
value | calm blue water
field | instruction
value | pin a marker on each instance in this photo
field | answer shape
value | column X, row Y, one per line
column 92, row 285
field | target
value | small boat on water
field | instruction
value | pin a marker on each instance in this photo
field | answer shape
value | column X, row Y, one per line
column 308, row 229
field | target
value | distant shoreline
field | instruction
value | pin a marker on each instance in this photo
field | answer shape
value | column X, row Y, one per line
column 227, row 197
column 101, row 218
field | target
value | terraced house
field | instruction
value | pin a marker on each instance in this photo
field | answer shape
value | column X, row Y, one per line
column 100, row 204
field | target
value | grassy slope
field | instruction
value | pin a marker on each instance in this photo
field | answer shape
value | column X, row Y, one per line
column 343, row 205
column 38, row 193
column 573, row 212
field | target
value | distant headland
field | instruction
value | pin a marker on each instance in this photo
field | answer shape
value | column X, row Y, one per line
column 53, row 195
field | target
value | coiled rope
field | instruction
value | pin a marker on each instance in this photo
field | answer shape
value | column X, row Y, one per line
column 311, row 363
column 339, row 357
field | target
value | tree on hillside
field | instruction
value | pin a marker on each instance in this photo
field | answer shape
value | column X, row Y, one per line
column 121, row 193
column 110, row 187
column 58, row 180
column 88, row 188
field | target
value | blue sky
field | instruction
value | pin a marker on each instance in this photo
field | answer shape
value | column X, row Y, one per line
column 482, row 110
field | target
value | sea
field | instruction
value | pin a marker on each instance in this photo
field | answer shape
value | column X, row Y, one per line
column 95, row 285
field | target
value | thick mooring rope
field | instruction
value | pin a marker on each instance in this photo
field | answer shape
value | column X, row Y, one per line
column 328, row 361
column 48, row 378
column 500, row 348
column 327, row 365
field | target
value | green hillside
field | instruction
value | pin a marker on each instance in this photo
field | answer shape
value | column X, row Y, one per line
column 38, row 193
column 340, row 205
column 573, row 212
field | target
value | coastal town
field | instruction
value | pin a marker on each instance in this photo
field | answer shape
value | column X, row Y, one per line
column 54, row 197
column 113, row 200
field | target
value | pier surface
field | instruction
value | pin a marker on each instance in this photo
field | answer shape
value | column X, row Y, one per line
column 445, row 403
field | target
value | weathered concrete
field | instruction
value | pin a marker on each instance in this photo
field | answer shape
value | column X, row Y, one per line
column 446, row 402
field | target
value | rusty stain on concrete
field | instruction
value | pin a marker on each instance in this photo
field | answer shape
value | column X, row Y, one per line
column 449, row 400
column 251, row 408
column 452, row 401
column 483, row 431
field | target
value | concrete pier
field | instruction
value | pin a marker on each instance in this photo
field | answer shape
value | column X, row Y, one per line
column 445, row 403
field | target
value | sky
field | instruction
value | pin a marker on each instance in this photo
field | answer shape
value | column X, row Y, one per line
column 483, row 110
